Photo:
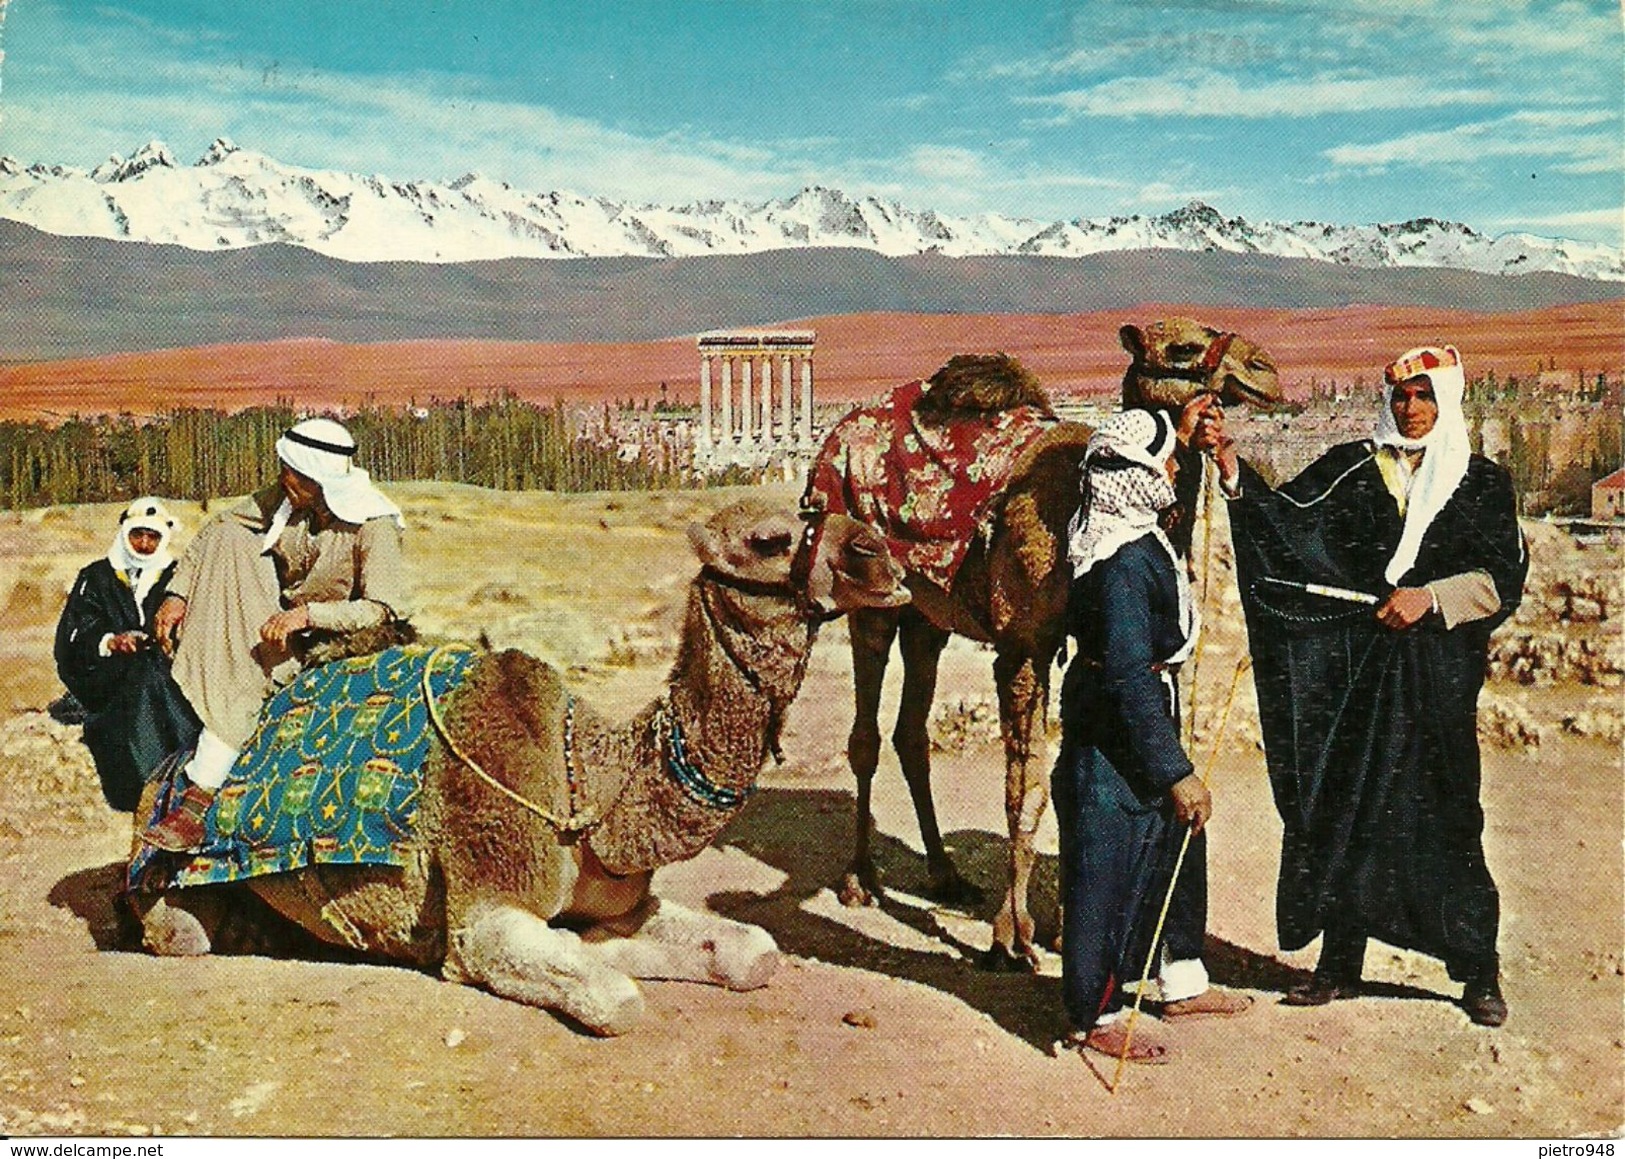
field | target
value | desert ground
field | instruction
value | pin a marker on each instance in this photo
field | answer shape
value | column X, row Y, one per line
column 878, row 1022
column 859, row 356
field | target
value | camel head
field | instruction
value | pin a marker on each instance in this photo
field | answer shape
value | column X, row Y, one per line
column 1175, row 359
column 827, row 564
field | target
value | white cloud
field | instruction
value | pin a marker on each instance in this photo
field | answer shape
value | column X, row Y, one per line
column 1587, row 137
column 947, row 163
column 1208, row 94
column 1584, row 219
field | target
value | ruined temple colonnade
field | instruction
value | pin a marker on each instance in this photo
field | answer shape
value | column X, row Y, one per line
column 774, row 363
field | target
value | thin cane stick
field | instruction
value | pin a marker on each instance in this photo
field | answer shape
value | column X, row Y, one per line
column 1156, row 937
column 1206, row 505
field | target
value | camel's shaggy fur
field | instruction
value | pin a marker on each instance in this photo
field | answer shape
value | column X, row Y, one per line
column 974, row 384
column 1011, row 592
column 548, row 901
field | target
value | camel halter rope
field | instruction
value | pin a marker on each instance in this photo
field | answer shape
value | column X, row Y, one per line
column 1156, row 937
column 669, row 740
column 575, row 821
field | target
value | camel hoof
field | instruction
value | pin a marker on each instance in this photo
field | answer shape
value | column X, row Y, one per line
column 854, row 892
column 172, row 932
column 1000, row 959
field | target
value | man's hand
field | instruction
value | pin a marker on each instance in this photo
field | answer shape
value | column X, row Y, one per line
column 1210, row 436
column 279, row 627
column 1193, row 804
column 167, row 621
column 1191, row 418
column 127, row 642
column 1404, row 608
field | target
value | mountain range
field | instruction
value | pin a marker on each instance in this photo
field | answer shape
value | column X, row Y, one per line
column 234, row 198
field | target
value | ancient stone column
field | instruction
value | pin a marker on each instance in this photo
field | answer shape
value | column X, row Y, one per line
column 726, row 435
column 804, row 434
column 786, row 421
column 767, row 399
column 746, row 435
column 704, row 438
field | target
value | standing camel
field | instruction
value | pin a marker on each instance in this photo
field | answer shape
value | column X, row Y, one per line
column 1008, row 582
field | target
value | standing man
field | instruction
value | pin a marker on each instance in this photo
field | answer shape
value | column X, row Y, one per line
column 317, row 553
column 1369, row 710
column 1124, row 789
column 110, row 662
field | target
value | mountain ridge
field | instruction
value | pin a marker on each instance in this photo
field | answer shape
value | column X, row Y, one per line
column 73, row 296
column 235, row 198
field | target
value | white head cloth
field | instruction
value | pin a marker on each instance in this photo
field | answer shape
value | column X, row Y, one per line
column 143, row 570
column 1125, row 487
column 1447, row 446
column 323, row 450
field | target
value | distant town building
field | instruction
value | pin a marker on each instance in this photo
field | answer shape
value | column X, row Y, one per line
column 1608, row 496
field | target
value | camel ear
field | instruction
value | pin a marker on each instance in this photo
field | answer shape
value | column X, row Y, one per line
column 704, row 542
column 1133, row 340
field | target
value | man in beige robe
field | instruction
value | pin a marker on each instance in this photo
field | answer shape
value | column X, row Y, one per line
column 318, row 551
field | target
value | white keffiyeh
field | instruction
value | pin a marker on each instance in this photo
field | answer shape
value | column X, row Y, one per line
column 1446, row 448
column 142, row 571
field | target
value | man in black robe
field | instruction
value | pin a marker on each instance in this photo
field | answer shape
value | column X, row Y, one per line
column 1369, row 709
column 135, row 715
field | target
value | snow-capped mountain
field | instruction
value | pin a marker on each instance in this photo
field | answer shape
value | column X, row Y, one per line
column 233, row 198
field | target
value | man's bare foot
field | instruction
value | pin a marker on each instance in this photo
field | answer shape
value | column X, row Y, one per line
column 1214, row 1002
column 1148, row 1045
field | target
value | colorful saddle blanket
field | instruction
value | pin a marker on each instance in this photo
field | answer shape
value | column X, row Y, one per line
column 332, row 775
column 927, row 487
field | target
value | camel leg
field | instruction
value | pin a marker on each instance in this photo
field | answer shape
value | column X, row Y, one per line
column 1023, row 690
column 922, row 643
column 180, row 923
column 872, row 631
column 679, row 944
column 517, row 955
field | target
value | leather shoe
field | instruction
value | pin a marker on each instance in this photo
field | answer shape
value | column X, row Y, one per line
column 1481, row 999
column 181, row 829
column 1320, row 990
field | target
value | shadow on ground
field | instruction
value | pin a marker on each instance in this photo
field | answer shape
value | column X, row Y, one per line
column 807, row 835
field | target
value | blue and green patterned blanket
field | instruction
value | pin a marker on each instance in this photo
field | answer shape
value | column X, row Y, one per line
column 332, row 775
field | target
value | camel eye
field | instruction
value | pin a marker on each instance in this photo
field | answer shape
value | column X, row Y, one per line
column 1184, row 352
column 770, row 545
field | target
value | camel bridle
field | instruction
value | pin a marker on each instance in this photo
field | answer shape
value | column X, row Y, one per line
column 1205, row 368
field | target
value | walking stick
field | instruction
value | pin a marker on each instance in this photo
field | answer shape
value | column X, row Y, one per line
column 1201, row 602
column 1156, row 937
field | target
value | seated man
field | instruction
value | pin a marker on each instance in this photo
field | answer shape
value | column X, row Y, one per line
column 317, row 553
column 135, row 716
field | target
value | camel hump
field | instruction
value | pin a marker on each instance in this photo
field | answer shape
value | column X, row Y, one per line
column 1053, row 458
column 970, row 384
column 517, row 721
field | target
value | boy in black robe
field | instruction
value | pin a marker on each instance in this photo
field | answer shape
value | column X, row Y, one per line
column 1369, row 709
column 108, row 659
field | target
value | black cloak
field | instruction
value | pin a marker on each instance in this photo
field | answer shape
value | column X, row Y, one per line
column 135, row 714
column 1370, row 734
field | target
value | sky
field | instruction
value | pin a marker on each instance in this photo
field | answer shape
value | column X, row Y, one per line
column 1507, row 115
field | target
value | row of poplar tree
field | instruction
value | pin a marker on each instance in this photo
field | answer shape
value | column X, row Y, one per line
column 504, row 443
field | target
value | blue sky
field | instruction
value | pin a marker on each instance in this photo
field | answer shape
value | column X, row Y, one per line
column 1502, row 114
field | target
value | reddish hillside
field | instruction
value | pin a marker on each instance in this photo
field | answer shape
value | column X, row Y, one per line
column 858, row 356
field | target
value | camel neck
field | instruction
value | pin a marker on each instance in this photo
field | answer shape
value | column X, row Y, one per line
column 700, row 748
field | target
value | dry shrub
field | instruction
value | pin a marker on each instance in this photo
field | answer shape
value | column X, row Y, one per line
column 1506, row 724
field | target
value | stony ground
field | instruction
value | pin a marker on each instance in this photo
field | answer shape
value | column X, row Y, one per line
column 877, row 1023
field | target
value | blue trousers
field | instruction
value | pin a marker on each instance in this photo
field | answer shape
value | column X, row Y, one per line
column 1117, row 856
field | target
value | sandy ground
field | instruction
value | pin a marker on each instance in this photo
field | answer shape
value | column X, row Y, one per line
column 877, row 1023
